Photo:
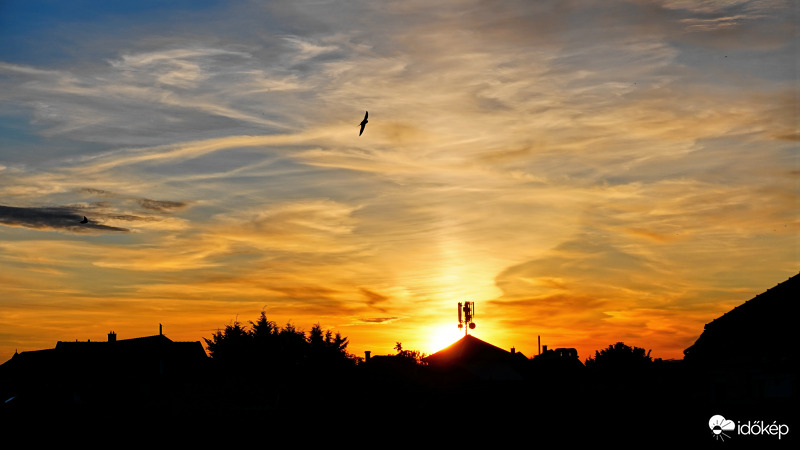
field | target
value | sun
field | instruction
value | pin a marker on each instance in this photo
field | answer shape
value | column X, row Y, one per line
column 442, row 336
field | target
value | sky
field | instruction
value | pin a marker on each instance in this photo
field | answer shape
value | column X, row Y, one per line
column 586, row 172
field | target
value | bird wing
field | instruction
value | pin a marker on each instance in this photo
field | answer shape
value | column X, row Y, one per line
column 366, row 114
column 362, row 129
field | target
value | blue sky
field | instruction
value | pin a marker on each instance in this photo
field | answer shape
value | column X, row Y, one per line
column 585, row 171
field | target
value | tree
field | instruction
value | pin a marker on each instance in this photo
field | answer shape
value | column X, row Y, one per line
column 229, row 344
column 267, row 365
column 411, row 355
column 293, row 341
column 339, row 344
column 620, row 357
column 264, row 328
column 267, row 350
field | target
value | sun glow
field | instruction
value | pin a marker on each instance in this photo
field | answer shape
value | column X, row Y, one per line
column 442, row 336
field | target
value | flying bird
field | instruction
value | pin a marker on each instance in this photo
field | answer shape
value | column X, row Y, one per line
column 363, row 123
column 85, row 220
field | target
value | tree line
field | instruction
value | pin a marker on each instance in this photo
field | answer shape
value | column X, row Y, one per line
column 266, row 345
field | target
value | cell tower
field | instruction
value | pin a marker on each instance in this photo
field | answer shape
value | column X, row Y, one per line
column 466, row 311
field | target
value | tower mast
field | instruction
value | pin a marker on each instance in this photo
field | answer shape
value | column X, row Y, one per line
column 466, row 311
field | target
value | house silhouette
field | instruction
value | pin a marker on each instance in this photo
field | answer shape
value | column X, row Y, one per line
column 749, row 354
column 757, row 330
column 87, row 375
column 479, row 359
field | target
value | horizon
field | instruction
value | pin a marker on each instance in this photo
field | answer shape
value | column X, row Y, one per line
column 441, row 343
column 585, row 173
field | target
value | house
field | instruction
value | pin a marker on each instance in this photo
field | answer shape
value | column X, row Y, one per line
column 559, row 359
column 749, row 353
column 88, row 374
column 479, row 359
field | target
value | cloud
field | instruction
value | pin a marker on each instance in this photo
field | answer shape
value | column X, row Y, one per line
column 374, row 299
column 378, row 319
column 315, row 226
column 161, row 205
column 64, row 218
column 171, row 93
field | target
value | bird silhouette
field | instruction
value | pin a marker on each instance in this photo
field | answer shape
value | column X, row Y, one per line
column 363, row 123
column 85, row 220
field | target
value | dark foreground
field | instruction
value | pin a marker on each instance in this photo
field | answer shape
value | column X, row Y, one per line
column 668, row 404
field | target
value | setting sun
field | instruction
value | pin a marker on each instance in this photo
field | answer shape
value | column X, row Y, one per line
column 441, row 336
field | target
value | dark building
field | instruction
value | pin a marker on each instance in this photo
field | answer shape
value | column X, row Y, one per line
column 479, row 359
column 120, row 374
column 565, row 356
column 749, row 354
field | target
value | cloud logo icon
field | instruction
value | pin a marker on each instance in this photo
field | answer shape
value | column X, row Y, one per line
column 719, row 425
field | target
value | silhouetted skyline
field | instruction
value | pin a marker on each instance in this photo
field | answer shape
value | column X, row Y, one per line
column 264, row 373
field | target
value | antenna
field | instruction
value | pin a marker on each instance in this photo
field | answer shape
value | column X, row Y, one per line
column 466, row 311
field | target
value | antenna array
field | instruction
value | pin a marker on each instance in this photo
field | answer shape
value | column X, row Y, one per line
column 466, row 311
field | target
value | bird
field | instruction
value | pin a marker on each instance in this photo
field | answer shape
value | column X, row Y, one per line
column 85, row 220
column 363, row 123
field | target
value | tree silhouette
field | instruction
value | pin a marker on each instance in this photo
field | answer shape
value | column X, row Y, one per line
column 263, row 328
column 339, row 342
column 619, row 357
column 230, row 344
column 266, row 345
column 414, row 356
column 326, row 344
column 274, row 369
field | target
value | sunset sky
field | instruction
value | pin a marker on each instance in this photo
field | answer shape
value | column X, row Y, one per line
column 584, row 171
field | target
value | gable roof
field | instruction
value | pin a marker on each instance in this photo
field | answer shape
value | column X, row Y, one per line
column 760, row 328
column 468, row 349
column 478, row 358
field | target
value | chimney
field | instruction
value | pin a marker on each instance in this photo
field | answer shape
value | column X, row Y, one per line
column 544, row 348
column 160, row 330
column 366, row 355
column 513, row 350
column 112, row 337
